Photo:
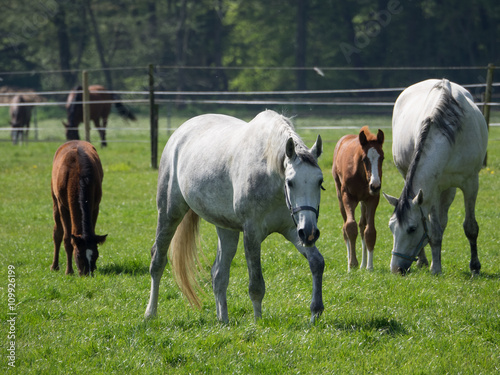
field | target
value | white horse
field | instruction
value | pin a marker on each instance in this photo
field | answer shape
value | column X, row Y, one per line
column 256, row 178
column 439, row 144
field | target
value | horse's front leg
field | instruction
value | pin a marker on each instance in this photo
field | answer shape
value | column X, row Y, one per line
column 257, row 286
column 102, row 131
column 317, row 266
column 436, row 239
column 350, row 230
column 368, row 231
column 365, row 263
column 226, row 249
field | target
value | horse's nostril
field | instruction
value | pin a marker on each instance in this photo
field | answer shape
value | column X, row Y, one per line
column 302, row 235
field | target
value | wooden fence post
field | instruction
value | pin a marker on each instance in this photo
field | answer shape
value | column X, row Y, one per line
column 86, row 107
column 153, row 119
column 487, row 99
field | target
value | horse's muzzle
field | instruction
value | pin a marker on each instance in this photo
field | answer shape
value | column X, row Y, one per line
column 400, row 267
column 375, row 189
column 308, row 237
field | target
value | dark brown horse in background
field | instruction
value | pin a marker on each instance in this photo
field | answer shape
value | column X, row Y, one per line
column 76, row 192
column 99, row 112
column 357, row 170
column 20, row 117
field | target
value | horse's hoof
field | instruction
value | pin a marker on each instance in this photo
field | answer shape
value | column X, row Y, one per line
column 56, row 268
column 475, row 267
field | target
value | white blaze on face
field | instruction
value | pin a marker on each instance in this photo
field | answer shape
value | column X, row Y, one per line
column 373, row 156
column 89, row 253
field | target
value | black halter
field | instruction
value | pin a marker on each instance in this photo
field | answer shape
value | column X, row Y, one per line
column 294, row 210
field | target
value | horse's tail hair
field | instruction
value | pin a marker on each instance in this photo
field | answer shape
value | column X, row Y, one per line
column 123, row 111
column 184, row 256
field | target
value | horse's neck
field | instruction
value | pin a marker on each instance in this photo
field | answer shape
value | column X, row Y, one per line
column 430, row 167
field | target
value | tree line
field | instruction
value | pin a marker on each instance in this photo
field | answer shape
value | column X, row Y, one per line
column 246, row 45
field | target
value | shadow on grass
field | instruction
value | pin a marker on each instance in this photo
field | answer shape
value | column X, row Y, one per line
column 467, row 275
column 133, row 268
column 383, row 325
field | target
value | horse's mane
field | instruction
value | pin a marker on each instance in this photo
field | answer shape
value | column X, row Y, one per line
column 275, row 149
column 86, row 180
column 445, row 117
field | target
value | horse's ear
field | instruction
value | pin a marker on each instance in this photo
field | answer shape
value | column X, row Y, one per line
column 419, row 198
column 290, row 148
column 362, row 138
column 100, row 239
column 392, row 200
column 380, row 137
column 317, row 148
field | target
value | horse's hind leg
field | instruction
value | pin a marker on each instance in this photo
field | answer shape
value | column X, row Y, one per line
column 471, row 228
column 65, row 218
column 165, row 230
column 226, row 249
column 57, row 236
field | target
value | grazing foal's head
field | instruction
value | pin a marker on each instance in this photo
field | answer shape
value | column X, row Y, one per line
column 86, row 253
column 372, row 157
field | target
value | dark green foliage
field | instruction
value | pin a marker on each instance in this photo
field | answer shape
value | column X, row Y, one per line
column 62, row 35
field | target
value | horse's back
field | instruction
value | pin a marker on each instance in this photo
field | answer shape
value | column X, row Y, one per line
column 97, row 110
column 72, row 161
column 217, row 165
column 417, row 103
column 343, row 154
column 195, row 167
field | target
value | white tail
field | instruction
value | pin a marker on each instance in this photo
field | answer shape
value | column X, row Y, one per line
column 184, row 256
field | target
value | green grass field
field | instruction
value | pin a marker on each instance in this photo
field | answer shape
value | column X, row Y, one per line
column 374, row 322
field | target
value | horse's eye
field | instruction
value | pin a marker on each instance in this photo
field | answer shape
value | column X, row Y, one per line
column 411, row 229
column 289, row 183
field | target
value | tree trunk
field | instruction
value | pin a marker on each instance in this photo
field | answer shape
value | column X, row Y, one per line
column 181, row 37
column 100, row 50
column 221, row 78
column 301, row 46
column 64, row 46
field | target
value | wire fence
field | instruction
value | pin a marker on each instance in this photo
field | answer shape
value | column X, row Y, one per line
column 380, row 100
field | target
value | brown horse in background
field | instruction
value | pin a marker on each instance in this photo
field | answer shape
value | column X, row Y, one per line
column 20, row 117
column 76, row 192
column 99, row 112
column 357, row 170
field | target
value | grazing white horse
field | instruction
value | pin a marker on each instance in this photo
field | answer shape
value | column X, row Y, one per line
column 256, row 178
column 439, row 144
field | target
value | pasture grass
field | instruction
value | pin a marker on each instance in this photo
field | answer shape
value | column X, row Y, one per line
column 374, row 322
